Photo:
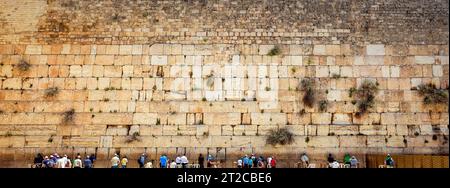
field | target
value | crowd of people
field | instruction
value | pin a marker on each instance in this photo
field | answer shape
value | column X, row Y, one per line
column 256, row 162
column 63, row 161
column 181, row 161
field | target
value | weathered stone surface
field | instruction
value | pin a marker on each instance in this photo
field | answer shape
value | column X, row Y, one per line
column 222, row 87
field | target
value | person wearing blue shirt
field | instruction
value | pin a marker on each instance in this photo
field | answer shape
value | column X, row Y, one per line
column 163, row 161
column 246, row 161
column 87, row 162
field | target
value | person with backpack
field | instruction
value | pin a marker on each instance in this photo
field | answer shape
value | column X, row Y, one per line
column 389, row 161
column 141, row 160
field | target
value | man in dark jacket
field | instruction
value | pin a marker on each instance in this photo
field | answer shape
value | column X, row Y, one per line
column 201, row 161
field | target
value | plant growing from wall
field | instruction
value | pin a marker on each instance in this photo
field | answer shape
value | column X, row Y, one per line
column 134, row 137
column 307, row 86
column 365, row 95
column 51, row 92
column 274, row 51
column 432, row 95
column 323, row 104
column 23, row 65
column 280, row 136
column 68, row 116
column 210, row 80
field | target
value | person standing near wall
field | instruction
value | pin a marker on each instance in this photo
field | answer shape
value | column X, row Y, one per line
column 77, row 163
column 115, row 161
column 201, row 161
column 124, row 162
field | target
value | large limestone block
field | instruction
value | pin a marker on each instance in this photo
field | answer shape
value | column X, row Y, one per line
column 342, row 119
column 344, row 129
column 117, row 130
column 145, row 118
column 104, row 59
column 321, row 118
column 323, row 141
column 33, row 49
column 268, row 118
column 221, row 141
column 396, row 141
column 43, row 141
column 352, row 141
column 424, row 59
column 241, row 141
column 373, row 129
column 222, row 118
column 81, row 141
column 375, row 49
column 376, row 141
column 150, row 130
column 159, row 60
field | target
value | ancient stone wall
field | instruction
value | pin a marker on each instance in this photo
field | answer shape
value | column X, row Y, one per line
column 216, row 76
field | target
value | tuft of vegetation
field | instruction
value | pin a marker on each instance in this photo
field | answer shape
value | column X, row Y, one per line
column 210, row 80
column 134, row 137
column 432, row 95
column 68, row 116
column 110, row 88
column 323, row 104
column 307, row 139
column 204, row 99
column 274, row 51
column 336, row 76
column 8, row 134
column 365, row 96
column 351, row 92
column 280, row 136
column 51, row 92
column 158, row 121
column 23, row 65
column 307, row 85
column 267, row 88
column 117, row 18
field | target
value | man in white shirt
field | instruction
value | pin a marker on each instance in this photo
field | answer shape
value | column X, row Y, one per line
column 173, row 164
column 115, row 161
column 334, row 164
column 77, row 163
column 184, row 161
column 269, row 160
column 239, row 163
column 305, row 160
column 60, row 163
column 148, row 165
column 178, row 160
